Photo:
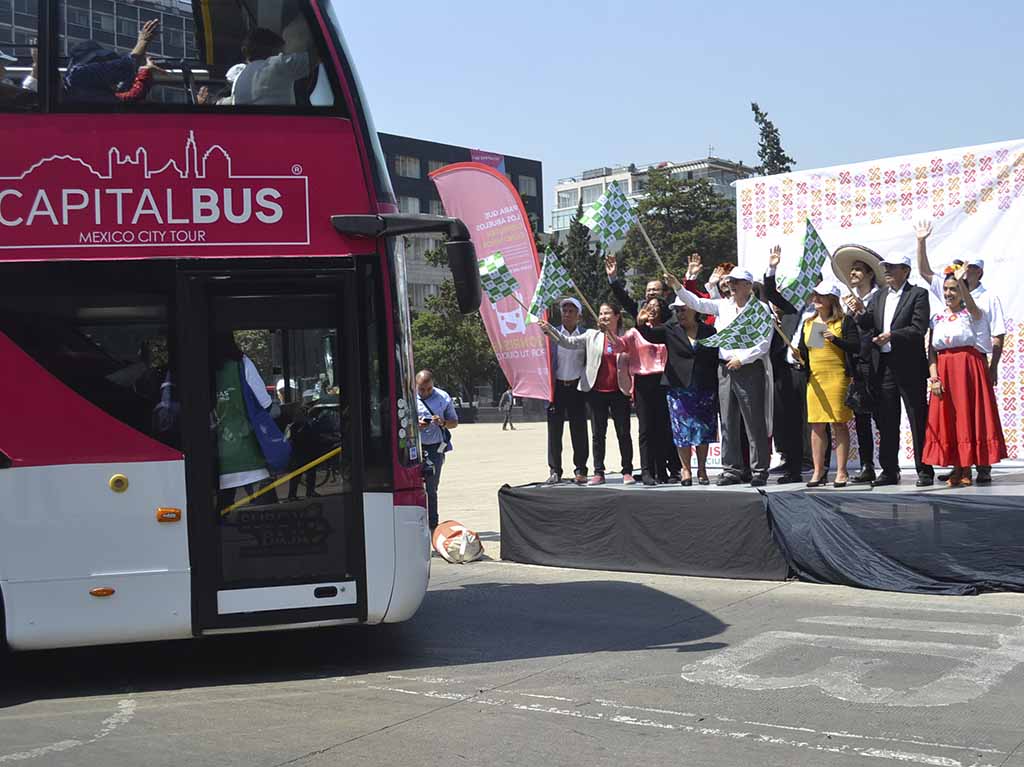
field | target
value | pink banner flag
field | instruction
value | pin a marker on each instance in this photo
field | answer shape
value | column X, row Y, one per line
column 490, row 207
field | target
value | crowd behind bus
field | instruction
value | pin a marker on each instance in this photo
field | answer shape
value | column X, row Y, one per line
column 860, row 348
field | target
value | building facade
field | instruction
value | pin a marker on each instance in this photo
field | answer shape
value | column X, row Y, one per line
column 632, row 179
column 410, row 162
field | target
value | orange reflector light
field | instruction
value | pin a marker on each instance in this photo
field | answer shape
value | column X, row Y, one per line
column 105, row 591
column 164, row 514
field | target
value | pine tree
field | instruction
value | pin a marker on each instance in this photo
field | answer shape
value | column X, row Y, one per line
column 681, row 217
column 585, row 261
column 769, row 148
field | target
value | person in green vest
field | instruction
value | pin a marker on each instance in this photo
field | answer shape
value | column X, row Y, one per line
column 239, row 455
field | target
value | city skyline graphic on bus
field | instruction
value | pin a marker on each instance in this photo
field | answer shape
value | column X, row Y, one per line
column 73, row 202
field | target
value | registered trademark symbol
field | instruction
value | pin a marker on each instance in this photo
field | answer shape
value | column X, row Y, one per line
column 296, row 170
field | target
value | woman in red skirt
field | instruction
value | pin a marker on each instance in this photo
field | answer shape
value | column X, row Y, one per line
column 963, row 422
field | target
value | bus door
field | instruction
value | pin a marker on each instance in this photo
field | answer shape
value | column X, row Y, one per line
column 276, row 530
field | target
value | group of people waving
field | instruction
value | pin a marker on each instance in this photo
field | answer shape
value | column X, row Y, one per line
column 860, row 350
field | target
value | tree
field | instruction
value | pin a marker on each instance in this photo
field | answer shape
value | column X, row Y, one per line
column 681, row 217
column 585, row 261
column 451, row 344
column 769, row 148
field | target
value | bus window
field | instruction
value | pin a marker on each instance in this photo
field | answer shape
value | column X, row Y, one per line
column 263, row 55
column 18, row 81
column 113, row 351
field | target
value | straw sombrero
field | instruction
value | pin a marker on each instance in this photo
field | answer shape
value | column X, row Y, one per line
column 845, row 255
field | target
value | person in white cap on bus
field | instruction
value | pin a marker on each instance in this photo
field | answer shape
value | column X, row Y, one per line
column 745, row 388
column 991, row 331
column 896, row 320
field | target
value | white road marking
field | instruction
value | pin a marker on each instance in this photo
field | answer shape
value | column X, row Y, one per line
column 974, row 668
column 737, row 731
column 124, row 714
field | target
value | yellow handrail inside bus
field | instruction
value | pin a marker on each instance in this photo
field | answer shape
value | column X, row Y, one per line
column 278, row 482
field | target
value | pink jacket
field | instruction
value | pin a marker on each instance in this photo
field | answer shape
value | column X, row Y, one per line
column 644, row 357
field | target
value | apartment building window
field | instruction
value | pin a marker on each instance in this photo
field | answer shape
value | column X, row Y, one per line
column 623, row 184
column 408, row 204
column 561, row 220
column 406, row 166
column 591, row 193
column 436, row 208
column 527, row 186
column 433, row 165
column 568, row 199
column 639, row 184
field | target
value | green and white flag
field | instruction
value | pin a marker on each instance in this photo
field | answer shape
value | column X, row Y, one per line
column 751, row 326
column 554, row 283
column 798, row 289
column 496, row 279
column 611, row 217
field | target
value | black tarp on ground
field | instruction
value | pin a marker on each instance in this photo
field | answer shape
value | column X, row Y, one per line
column 679, row 532
column 933, row 542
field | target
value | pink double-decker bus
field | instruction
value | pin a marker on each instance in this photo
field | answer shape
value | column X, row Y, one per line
column 208, row 408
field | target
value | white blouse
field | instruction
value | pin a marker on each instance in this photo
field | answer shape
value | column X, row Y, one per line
column 952, row 331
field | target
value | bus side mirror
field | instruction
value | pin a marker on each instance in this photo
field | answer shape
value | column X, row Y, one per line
column 462, row 262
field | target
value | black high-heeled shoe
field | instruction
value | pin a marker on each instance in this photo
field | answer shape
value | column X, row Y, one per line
column 818, row 482
column 703, row 481
column 688, row 482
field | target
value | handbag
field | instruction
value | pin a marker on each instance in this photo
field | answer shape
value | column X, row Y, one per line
column 859, row 397
column 277, row 451
column 446, row 435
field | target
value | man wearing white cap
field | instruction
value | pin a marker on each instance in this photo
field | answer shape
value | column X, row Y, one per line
column 897, row 320
column 568, row 403
column 745, row 389
column 993, row 330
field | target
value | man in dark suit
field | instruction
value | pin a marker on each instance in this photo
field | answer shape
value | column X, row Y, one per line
column 897, row 320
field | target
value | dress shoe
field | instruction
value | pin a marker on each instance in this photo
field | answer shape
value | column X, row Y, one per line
column 758, row 481
column 729, row 479
column 688, row 482
column 789, row 479
column 597, row 479
column 580, row 479
column 672, row 479
column 627, row 479
column 924, row 482
column 554, row 479
column 863, row 477
column 703, row 481
column 885, row 479
column 944, row 477
column 984, row 476
column 648, row 480
column 818, row 482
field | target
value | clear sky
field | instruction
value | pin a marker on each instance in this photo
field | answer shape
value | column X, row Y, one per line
column 579, row 85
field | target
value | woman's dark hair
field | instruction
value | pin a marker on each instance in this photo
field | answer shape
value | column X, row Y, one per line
column 616, row 309
column 261, row 43
column 225, row 348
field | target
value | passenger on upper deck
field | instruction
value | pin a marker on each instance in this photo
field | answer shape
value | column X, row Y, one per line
column 270, row 74
column 11, row 91
column 100, row 76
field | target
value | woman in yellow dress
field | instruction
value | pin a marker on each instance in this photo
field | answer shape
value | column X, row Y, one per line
column 829, row 342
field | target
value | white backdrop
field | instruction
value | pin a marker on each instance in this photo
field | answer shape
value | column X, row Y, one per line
column 972, row 196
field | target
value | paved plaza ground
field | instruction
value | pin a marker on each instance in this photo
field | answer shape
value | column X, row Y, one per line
column 508, row 664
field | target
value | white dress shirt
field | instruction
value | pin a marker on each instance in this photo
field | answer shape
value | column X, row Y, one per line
column 726, row 310
column 892, row 299
column 570, row 364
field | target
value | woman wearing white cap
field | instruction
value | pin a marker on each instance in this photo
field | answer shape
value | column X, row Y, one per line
column 963, row 422
column 828, row 343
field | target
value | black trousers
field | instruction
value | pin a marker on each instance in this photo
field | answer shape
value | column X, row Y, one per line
column 790, row 414
column 658, row 456
column 865, row 440
column 616, row 404
column 570, row 405
column 906, row 384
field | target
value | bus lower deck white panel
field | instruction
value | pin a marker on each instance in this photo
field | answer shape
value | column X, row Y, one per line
column 379, row 543
column 412, row 562
column 144, row 607
column 284, row 597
